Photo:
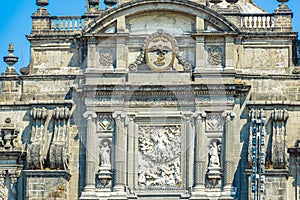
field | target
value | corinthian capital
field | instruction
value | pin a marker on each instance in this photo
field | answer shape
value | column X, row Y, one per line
column 228, row 115
column 90, row 115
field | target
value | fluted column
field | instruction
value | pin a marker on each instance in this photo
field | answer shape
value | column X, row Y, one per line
column 229, row 143
column 91, row 147
column 120, row 152
column 200, row 154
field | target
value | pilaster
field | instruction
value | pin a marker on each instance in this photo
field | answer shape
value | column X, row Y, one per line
column 228, row 166
column 91, row 145
column 120, row 153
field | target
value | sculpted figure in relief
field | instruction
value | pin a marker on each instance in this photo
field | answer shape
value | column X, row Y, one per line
column 105, row 155
column 214, row 160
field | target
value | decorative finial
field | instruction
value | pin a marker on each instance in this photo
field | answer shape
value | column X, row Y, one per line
column 11, row 49
column 215, row 2
column 232, row 1
column 42, row 3
column 93, row 5
column 10, row 59
column 110, row 3
column 282, row 1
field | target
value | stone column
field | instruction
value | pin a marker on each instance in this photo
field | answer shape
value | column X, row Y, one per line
column 120, row 152
column 132, row 151
column 228, row 154
column 200, row 156
column 91, row 154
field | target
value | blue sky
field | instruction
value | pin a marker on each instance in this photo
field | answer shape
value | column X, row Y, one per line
column 15, row 22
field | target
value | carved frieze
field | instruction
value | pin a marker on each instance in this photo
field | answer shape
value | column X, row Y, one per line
column 279, row 149
column 159, row 156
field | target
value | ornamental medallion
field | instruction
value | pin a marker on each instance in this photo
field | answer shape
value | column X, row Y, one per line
column 160, row 51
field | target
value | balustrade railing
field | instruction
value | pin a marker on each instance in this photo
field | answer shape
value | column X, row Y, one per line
column 67, row 23
column 257, row 21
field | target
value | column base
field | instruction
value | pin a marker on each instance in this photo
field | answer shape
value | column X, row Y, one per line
column 228, row 193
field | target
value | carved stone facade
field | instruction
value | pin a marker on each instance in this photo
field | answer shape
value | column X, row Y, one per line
column 153, row 100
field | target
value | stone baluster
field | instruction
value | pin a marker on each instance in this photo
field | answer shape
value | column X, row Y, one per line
column 200, row 156
column 91, row 146
column 120, row 152
column 228, row 144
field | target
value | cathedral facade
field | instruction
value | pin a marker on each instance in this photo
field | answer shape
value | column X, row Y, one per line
column 154, row 99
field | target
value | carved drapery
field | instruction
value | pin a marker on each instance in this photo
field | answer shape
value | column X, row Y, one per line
column 279, row 155
column 59, row 150
column 159, row 156
column 37, row 150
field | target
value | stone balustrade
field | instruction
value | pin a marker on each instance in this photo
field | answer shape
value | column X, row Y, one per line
column 257, row 22
column 67, row 23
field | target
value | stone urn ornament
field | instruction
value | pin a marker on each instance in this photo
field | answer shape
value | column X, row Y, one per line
column 42, row 3
column 282, row 1
column 110, row 3
column 215, row 2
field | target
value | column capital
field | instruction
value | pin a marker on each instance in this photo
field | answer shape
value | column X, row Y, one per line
column 90, row 115
column 228, row 115
column 200, row 115
column 118, row 115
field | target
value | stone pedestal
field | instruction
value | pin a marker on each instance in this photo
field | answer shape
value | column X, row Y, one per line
column 50, row 185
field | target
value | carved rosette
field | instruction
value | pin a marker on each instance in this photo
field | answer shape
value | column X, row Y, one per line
column 59, row 150
column 279, row 155
column 159, row 156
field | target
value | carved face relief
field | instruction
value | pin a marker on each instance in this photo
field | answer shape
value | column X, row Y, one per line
column 160, row 51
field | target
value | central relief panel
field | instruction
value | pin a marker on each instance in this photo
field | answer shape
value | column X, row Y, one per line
column 159, row 150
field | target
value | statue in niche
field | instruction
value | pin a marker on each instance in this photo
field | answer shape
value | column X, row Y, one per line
column 105, row 155
column 214, row 160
